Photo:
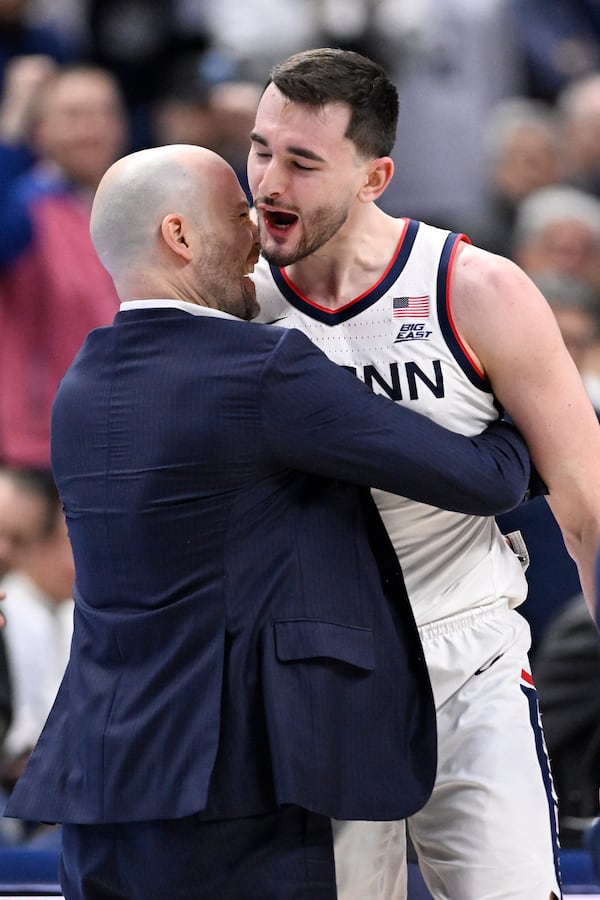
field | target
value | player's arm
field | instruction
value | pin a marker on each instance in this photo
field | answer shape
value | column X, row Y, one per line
column 512, row 334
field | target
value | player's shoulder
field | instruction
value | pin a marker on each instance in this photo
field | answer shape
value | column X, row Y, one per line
column 489, row 291
column 476, row 267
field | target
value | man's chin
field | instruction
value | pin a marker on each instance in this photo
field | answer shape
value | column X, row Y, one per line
column 277, row 256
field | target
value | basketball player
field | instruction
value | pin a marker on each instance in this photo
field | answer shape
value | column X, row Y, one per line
column 453, row 331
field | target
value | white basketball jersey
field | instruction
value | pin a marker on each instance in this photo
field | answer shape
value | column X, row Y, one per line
column 400, row 339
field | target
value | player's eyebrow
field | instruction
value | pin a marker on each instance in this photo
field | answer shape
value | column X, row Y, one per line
column 295, row 151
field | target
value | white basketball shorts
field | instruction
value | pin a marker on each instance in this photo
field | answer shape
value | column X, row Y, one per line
column 489, row 830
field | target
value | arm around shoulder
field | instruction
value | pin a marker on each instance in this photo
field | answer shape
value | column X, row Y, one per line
column 320, row 419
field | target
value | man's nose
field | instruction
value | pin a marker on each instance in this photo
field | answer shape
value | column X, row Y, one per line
column 273, row 182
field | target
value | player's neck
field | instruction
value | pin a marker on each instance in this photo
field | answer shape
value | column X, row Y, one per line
column 350, row 264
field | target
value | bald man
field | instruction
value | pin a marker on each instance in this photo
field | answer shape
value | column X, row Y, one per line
column 244, row 661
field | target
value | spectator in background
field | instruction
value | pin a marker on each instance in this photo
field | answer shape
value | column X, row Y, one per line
column 559, row 41
column 28, row 509
column 463, row 61
column 557, row 229
column 23, row 78
column 53, row 289
column 567, row 674
column 19, row 519
column 138, row 41
column 523, row 154
column 66, row 16
column 30, row 48
column 22, row 35
column 181, row 113
column 579, row 108
column 234, row 106
column 576, row 307
column 18, row 525
column 39, row 610
column 239, row 31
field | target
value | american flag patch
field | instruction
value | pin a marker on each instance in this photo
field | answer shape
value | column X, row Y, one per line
column 414, row 307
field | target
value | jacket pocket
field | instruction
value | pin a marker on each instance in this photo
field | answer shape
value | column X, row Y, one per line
column 297, row 639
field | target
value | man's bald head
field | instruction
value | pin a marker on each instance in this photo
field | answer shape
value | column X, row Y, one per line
column 173, row 222
column 138, row 191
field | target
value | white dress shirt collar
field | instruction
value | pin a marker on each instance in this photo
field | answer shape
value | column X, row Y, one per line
column 192, row 308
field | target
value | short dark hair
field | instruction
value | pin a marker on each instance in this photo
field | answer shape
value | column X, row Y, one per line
column 329, row 75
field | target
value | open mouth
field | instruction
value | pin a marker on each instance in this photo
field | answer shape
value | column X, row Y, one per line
column 279, row 221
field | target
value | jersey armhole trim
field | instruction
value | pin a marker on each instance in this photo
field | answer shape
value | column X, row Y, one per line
column 444, row 303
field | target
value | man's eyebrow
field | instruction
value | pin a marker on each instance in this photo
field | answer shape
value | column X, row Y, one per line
column 295, row 151
column 257, row 138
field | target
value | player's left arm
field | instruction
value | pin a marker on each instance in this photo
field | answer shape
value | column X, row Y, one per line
column 510, row 331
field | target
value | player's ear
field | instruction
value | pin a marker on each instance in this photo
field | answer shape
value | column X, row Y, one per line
column 378, row 176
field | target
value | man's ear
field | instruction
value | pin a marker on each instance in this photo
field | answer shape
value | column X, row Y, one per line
column 378, row 177
column 173, row 230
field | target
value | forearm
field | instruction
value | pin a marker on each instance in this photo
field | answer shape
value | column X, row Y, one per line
column 481, row 475
column 584, row 553
column 582, row 540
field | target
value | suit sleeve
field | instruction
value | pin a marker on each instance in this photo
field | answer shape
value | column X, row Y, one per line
column 321, row 419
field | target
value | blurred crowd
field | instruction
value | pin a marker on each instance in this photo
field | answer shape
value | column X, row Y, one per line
column 499, row 138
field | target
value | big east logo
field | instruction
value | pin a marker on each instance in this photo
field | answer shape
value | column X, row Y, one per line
column 413, row 331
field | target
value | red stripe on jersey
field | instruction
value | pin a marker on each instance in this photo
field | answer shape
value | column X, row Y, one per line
column 526, row 676
column 462, row 238
column 292, row 286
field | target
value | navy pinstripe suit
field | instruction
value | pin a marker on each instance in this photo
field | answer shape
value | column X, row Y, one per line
column 242, row 637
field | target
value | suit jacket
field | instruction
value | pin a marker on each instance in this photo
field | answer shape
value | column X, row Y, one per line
column 242, row 636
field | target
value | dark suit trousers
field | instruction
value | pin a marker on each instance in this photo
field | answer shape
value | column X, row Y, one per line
column 285, row 855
